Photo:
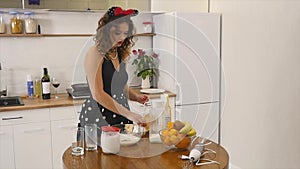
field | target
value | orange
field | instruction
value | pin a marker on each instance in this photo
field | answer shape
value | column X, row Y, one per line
column 170, row 125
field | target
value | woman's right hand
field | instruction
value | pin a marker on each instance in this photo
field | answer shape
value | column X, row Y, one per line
column 137, row 118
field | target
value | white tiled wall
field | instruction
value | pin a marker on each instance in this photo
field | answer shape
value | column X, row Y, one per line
column 63, row 56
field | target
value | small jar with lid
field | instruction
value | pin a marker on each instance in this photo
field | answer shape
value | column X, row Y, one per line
column 30, row 23
column 148, row 27
column 16, row 25
column 2, row 23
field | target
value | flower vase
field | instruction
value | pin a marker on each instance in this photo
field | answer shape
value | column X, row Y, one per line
column 146, row 83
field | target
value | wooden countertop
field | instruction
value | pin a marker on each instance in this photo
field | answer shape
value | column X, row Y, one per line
column 152, row 96
column 37, row 103
column 63, row 100
column 167, row 159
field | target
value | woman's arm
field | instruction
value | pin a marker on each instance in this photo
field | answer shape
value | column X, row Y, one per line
column 93, row 68
column 141, row 98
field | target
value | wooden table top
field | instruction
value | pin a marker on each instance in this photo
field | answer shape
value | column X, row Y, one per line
column 138, row 158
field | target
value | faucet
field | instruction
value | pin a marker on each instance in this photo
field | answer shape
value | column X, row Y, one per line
column 2, row 92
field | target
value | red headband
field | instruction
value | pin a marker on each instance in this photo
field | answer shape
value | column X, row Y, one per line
column 116, row 11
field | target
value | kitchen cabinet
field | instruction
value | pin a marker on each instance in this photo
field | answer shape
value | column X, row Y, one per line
column 6, row 148
column 36, row 138
column 190, row 44
column 30, row 142
column 63, row 119
column 27, row 135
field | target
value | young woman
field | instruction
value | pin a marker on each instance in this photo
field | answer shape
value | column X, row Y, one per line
column 106, row 74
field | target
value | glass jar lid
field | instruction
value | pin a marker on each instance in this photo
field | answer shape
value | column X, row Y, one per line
column 13, row 13
column 28, row 13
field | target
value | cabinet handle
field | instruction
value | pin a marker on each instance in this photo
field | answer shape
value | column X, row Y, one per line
column 12, row 118
column 33, row 130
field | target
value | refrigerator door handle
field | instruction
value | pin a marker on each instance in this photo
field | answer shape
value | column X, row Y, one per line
column 178, row 100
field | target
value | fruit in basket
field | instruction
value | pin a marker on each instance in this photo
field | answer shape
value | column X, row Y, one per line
column 178, row 125
column 178, row 134
column 186, row 128
column 192, row 132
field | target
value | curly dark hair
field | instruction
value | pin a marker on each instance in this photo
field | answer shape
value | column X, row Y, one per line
column 103, row 40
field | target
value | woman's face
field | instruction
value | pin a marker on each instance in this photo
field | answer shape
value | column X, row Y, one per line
column 119, row 33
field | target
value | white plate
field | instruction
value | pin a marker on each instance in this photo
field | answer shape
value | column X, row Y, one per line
column 152, row 91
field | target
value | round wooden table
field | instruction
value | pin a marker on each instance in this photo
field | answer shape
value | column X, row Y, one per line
column 137, row 158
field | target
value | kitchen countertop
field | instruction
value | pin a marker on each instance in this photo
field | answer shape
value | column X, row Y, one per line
column 63, row 100
column 163, row 160
column 37, row 103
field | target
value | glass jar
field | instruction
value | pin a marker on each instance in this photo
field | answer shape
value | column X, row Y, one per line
column 148, row 27
column 2, row 23
column 30, row 23
column 16, row 26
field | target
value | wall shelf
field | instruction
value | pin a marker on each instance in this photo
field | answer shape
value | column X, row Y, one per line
column 64, row 35
column 42, row 35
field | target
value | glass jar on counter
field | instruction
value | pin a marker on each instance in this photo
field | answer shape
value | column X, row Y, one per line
column 16, row 25
column 30, row 23
column 2, row 23
column 148, row 27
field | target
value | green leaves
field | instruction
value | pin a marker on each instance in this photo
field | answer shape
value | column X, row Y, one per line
column 145, row 73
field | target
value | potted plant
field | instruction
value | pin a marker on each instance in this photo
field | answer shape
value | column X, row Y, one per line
column 146, row 66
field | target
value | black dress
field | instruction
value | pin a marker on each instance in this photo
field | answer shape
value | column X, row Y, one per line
column 113, row 82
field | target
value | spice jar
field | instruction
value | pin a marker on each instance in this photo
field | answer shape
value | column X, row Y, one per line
column 2, row 23
column 148, row 27
column 30, row 22
column 16, row 25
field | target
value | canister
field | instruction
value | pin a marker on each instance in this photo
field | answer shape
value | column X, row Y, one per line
column 16, row 25
column 2, row 23
column 30, row 22
column 110, row 139
column 148, row 27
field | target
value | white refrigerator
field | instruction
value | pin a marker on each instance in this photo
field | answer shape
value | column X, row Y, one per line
column 189, row 48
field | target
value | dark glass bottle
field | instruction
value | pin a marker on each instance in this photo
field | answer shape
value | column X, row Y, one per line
column 45, row 85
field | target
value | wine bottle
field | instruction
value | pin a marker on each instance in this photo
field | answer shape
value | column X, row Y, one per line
column 45, row 85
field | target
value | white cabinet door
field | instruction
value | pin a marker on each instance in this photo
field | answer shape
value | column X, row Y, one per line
column 61, row 139
column 6, row 148
column 204, row 117
column 33, row 146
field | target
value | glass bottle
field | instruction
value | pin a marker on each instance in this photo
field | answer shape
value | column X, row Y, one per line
column 2, row 23
column 16, row 26
column 30, row 23
column 45, row 85
column 37, row 88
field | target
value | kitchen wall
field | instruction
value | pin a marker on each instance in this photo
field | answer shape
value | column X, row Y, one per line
column 261, row 84
column 63, row 56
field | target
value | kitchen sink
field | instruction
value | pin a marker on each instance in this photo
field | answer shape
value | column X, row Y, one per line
column 11, row 101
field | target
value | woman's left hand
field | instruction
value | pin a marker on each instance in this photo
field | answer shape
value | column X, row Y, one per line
column 142, row 98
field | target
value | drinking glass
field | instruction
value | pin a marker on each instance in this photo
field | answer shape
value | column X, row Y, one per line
column 77, row 141
column 90, row 137
column 55, row 84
